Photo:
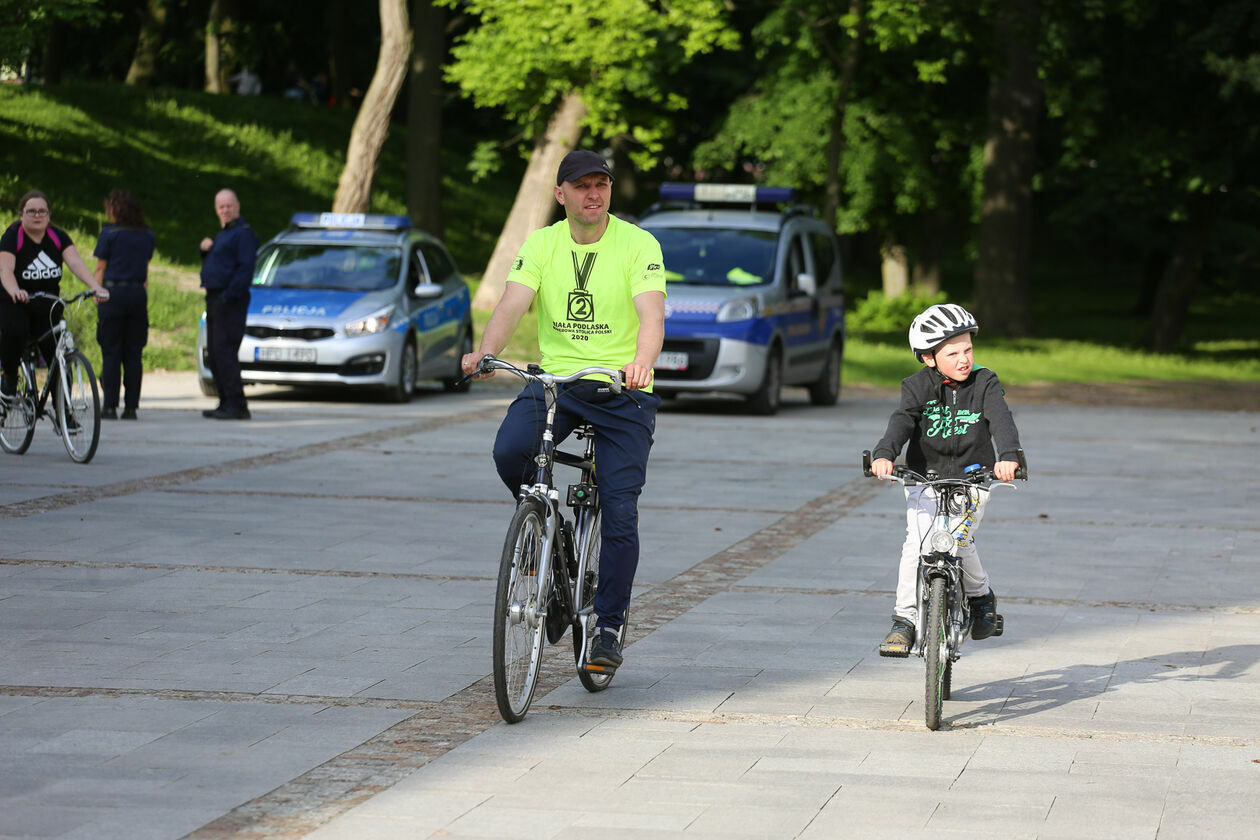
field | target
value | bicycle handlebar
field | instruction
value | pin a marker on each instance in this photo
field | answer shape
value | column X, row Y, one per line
column 490, row 363
column 982, row 476
column 69, row 300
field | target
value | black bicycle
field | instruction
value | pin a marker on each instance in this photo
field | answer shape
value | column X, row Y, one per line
column 71, row 383
column 549, row 568
column 943, row 618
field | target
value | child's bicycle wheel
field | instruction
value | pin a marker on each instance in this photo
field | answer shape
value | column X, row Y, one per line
column 518, row 627
column 935, row 653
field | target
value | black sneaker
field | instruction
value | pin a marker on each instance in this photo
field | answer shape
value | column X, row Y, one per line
column 985, row 621
column 605, row 648
column 129, row 414
column 899, row 639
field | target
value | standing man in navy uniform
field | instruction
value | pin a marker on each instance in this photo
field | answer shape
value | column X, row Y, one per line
column 227, row 269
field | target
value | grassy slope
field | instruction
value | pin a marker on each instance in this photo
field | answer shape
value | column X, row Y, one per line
column 176, row 148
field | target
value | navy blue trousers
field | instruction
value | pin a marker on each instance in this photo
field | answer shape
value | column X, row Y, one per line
column 624, row 424
column 225, row 328
column 122, row 330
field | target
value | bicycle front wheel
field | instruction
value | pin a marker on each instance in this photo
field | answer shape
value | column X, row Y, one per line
column 518, row 623
column 585, row 597
column 935, row 652
column 17, row 427
column 78, row 408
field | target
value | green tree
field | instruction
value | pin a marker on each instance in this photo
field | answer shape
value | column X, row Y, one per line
column 27, row 26
column 586, row 65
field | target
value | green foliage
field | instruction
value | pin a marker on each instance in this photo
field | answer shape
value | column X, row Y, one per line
column 877, row 313
column 525, row 56
column 26, row 24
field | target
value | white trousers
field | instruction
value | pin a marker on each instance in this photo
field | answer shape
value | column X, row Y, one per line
column 920, row 512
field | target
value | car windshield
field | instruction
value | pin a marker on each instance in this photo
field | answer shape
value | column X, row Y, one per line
column 355, row 268
column 717, row 256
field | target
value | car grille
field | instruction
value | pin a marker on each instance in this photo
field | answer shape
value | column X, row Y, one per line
column 301, row 333
column 701, row 357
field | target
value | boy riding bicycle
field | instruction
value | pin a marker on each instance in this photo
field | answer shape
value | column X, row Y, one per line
column 952, row 414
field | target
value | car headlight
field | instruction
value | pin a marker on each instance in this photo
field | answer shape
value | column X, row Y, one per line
column 739, row 309
column 375, row 323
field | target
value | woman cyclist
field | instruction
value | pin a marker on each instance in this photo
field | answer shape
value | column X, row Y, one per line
column 31, row 253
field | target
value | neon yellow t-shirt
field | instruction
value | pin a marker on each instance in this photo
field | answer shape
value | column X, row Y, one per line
column 585, row 293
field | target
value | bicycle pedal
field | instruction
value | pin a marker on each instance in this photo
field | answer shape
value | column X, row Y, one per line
column 998, row 625
column 598, row 669
column 895, row 651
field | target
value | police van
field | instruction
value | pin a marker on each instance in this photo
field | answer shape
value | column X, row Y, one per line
column 353, row 300
column 755, row 294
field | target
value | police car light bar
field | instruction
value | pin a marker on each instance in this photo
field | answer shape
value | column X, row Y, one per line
column 727, row 193
column 361, row 221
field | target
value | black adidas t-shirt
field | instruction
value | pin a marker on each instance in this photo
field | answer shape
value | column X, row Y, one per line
column 38, row 264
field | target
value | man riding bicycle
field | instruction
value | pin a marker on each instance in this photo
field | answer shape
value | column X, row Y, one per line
column 600, row 288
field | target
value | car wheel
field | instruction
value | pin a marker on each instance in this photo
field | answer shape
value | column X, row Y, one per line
column 401, row 391
column 207, row 387
column 453, row 384
column 827, row 389
column 765, row 400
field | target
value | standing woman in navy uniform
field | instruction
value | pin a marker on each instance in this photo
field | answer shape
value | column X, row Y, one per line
column 31, row 254
column 122, row 256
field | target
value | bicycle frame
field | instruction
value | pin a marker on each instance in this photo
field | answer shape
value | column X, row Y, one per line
column 945, row 563
column 558, row 588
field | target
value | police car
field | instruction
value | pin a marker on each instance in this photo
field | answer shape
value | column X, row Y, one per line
column 355, row 300
column 755, row 294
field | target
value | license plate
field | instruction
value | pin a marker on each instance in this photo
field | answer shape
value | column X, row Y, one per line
column 284, row 354
column 672, row 361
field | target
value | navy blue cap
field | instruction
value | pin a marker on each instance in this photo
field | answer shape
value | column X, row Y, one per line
column 581, row 162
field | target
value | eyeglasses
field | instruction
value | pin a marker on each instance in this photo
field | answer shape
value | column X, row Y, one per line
column 37, row 212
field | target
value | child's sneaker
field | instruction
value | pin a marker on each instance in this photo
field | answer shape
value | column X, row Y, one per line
column 985, row 621
column 605, row 648
column 899, row 639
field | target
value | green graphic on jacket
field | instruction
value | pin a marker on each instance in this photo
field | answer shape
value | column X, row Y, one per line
column 943, row 422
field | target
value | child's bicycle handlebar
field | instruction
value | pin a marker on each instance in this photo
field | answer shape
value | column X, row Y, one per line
column 975, row 474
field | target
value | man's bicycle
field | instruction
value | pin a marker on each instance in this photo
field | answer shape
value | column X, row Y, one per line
column 76, row 404
column 549, row 568
column 943, row 618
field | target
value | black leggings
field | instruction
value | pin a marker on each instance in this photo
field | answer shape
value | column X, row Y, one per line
column 19, row 323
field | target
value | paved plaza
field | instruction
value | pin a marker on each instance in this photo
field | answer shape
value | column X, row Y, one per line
column 281, row 629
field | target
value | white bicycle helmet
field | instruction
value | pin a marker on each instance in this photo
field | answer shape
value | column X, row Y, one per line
column 938, row 323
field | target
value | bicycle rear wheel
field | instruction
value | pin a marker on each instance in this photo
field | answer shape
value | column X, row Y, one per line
column 17, row 427
column 585, row 596
column 935, row 652
column 78, row 408
column 518, row 627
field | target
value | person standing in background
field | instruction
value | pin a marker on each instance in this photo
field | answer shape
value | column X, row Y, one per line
column 122, row 254
column 227, row 270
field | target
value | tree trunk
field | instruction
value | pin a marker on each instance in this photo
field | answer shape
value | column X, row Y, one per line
column 424, row 118
column 54, row 53
column 926, row 276
column 215, row 82
column 371, row 126
column 535, row 199
column 337, row 22
column 1001, row 288
column 1172, row 298
column 835, row 139
column 144, row 61
column 894, row 270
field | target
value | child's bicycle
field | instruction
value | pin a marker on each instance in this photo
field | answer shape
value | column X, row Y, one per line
column 76, row 403
column 549, row 568
column 944, row 614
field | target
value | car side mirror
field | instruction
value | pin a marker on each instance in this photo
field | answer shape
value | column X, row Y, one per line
column 806, row 284
column 427, row 291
